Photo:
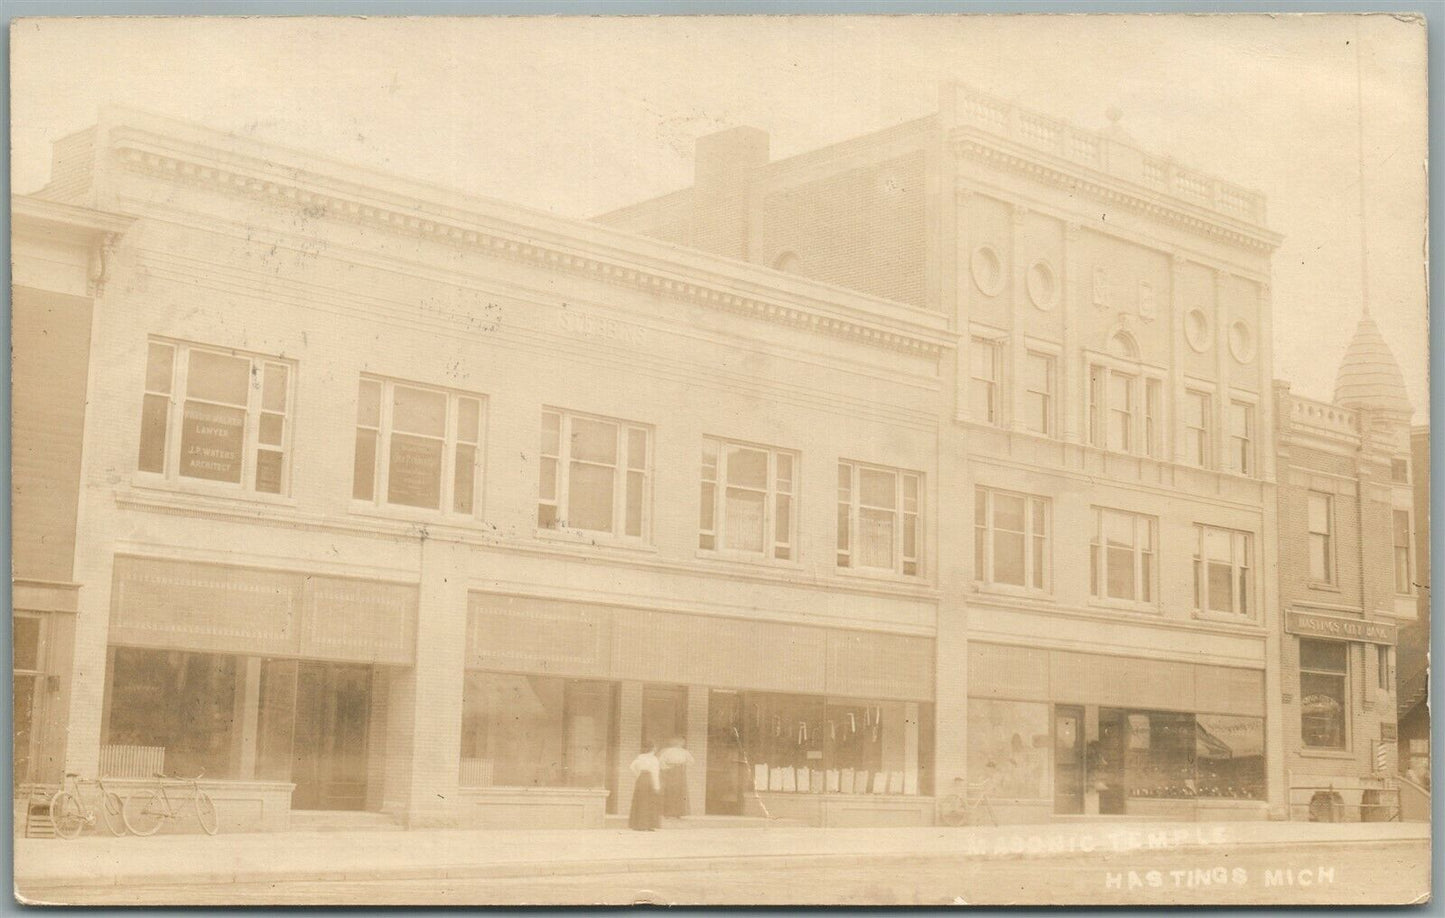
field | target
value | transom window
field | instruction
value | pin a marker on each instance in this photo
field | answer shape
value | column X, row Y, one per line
column 1040, row 388
column 1222, row 578
column 1122, row 556
column 416, row 446
column 878, row 518
column 595, row 475
column 1124, row 410
column 216, row 415
column 1324, row 676
column 1197, row 428
column 748, row 503
column 1011, row 539
column 984, row 364
column 1321, row 537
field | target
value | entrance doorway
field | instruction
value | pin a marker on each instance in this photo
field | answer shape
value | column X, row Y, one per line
column 1068, row 759
column 664, row 714
column 726, row 768
column 333, row 710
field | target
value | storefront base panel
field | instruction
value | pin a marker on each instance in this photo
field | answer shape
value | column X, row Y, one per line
column 1336, row 798
column 241, row 806
column 843, row 810
column 530, row 808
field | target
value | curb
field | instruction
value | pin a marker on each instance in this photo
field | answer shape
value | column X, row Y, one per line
column 541, row 869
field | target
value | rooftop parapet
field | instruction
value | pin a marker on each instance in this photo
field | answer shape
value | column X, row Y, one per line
column 1106, row 152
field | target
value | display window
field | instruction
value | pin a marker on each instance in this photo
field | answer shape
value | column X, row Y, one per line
column 1009, row 746
column 807, row 744
column 537, row 731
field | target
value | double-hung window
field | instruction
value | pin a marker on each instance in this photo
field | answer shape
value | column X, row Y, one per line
column 1197, row 440
column 1401, row 539
column 1011, row 539
column 1040, row 393
column 1241, row 437
column 749, row 501
column 1321, row 511
column 878, row 519
column 985, row 365
column 1122, row 556
column 1323, row 680
column 596, row 475
column 216, row 415
column 416, row 446
column 1222, row 572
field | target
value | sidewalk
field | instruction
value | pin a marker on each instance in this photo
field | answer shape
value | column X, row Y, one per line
column 450, row 854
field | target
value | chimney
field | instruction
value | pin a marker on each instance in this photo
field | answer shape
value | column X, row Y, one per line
column 725, row 163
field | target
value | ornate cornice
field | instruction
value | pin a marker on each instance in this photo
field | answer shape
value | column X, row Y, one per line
column 980, row 147
column 291, row 190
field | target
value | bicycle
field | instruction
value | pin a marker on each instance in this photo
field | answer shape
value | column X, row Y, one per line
column 145, row 819
column 69, row 812
column 963, row 805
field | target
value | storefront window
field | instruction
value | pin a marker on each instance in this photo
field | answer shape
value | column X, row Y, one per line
column 809, row 745
column 181, row 702
column 1324, row 669
column 1008, row 743
column 536, row 731
column 1229, row 756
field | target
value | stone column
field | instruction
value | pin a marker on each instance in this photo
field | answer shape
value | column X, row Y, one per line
column 1011, row 399
column 629, row 741
column 1071, row 384
column 1220, row 421
column 697, row 710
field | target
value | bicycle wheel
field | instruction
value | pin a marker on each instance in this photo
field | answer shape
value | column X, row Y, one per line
column 953, row 810
column 143, row 815
column 112, row 810
column 206, row 813
column 66, row 814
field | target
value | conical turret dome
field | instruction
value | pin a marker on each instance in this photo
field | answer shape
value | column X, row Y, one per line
column 1369, row 377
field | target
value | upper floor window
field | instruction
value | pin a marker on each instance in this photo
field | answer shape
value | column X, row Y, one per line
column 216, row 415
column 1040, row 393
column 1122, row 556
column 1124, row 410
column 1241, row 437
column 595, row 474
column 416, row 446
column 985, row 363
column 1400, row 471
column 1324, row 676
column 1198, row 427
column 1011, row 539
column 1321, row 513
column 748, row 502
column 878, row 520
column 1403, row 576
column 1222, row 578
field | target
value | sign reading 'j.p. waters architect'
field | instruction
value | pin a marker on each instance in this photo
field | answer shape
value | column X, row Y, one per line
column 1345, row 629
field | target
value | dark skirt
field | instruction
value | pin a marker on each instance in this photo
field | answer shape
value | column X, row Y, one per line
column 674, row 791
column 646, row 810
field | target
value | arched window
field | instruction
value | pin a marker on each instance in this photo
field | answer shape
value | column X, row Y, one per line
column 1123, row 345
column 788, row 261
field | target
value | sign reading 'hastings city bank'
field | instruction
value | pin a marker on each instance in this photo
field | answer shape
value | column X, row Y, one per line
column 1345, row 629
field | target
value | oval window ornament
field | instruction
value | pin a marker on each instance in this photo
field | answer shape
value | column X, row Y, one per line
column 1241, row 341
column 1042, row 285
column 987, row 270
column 1197, row 329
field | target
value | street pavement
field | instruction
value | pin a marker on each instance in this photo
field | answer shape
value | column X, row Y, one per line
column 1094, row 863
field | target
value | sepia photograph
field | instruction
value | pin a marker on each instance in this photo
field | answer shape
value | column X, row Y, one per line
column 932, row 460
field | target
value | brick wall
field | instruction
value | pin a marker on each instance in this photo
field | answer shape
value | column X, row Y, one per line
column 862, row 228
column 51, row 348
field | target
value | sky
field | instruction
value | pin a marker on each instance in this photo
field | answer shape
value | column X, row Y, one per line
column 579, row 116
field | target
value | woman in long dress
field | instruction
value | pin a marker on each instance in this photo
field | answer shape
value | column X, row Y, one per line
column 675, row 759
column 646, row 813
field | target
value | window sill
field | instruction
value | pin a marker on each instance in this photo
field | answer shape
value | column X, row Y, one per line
column 405, row 514
column 1225, row 618
column 1322, row 586
column 597, row 539
column 1312, row 753
column 749, row 560
column 146, row 481
column 1123, row 606
column 1005, row 589
column 881, row 576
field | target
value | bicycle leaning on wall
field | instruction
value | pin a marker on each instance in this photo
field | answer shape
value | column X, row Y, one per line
column 145, row 813
column 70, row 813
